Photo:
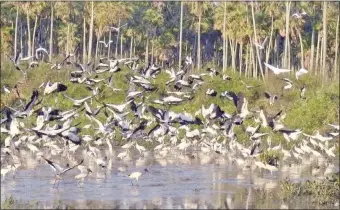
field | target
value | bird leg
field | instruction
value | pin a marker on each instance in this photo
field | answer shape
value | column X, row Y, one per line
column 131, row 182
column 55, row 180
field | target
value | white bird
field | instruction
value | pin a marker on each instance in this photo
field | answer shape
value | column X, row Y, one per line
column 261, row 47
column 78, row 102
column 59, row 171
column 136, row 175
column 300, row 72
column 6, row 90
column 337, row 127
column 299, row 15
column 275, row 69
column 40, row 49
column 106, row 44
column 289, row 84
column 83, row 174
column 117, row 29
column 140, row 148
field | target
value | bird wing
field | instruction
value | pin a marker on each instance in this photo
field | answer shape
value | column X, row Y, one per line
column 67, row 169
column 79, row 66
column 66, row 96
column 267, row 94
column 30, row 104
column 54, row 165
column 234, row 96
column 273, row 68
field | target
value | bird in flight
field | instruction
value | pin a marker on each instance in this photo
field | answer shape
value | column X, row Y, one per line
column 276, row 70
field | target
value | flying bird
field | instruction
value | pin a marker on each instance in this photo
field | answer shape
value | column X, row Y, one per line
column 276, row 70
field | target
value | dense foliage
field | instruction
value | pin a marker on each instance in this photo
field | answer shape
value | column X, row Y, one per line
column 153, row 30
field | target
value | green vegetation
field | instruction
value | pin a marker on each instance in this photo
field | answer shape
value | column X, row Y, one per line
column 221, row 34
column 322, row 192
column 320, row 107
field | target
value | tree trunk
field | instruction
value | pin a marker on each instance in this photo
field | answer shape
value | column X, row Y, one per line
column 247, row 54
column 147, row 51
column 116, row 51
column 51, row 34
column 199, row 44
column 232, row 54
column 301, row 46
column 180, row 39
column 68, row 38
column 240, row 57
column 121, row 45
column 33, row 36
column 324, row 38
column 97, row 44
column 151, row 51
column 16, row 32
column 311, row 61
column 84, row 41
column 224, row 37
column 285, row 58
column 226, row 51
column 109, row 47
column 131, row 43
column 269, row 46
column 21, row 35
column 336, row 48
column 257, row 50
column 90, row 34
column 317, row 55
column 29, row 33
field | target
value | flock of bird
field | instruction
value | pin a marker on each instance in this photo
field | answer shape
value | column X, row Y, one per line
column 210, row 130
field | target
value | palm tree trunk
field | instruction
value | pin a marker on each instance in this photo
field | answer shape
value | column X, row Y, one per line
column 226, row 51
column 90, row 34
column 180, row 39
column 97, row 44
column 33, row 36
column 29, row 33
column 21, row 35
column 232, row 54
column 324, row 37
column 68, row 38
column 84, row 41
column 269, row 46
column 336, row 48
column 116, row 51
column 131, row 43
column 121, row 45
column 16, row 31
column 224, row 36
column 301, row 46
column 285, row 58
column 151, row 51
column 147, row 51
column 199, row 44
column 247, row 54
column 317, row 55
column 257, row 50
column 240, row 57
column 311, row 61
column 51, row 34
column 109, row 47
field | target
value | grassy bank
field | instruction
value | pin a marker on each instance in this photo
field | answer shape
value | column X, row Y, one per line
column 320, row 107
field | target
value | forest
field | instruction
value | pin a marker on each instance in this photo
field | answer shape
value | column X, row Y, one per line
column 237, row 35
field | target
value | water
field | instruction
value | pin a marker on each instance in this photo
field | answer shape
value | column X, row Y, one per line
column 180, row 181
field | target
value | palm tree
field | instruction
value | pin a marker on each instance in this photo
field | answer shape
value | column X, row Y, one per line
column 180, row 39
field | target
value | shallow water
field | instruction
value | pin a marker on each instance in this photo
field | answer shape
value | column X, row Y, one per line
column 182, row 181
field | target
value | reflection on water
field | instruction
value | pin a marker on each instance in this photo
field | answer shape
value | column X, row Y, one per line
column 184, row 181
